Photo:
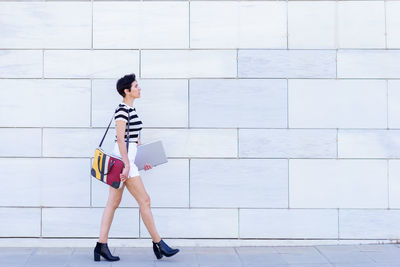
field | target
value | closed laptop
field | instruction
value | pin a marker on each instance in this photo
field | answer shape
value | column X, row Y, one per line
column 152, row 153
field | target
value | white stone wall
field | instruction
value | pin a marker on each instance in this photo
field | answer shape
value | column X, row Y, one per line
column 280, row 119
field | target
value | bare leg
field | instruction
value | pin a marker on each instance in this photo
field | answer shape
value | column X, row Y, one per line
column 136, row 188
column 114, row 198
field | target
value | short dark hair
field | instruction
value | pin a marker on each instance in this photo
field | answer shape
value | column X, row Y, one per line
column 125, row 83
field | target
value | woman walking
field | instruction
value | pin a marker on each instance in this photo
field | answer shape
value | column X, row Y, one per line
column 129, row 89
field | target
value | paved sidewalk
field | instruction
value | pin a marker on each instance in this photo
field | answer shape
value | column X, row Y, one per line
column 324, row 255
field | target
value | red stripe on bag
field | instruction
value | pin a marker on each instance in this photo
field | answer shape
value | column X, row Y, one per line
column 115, row 167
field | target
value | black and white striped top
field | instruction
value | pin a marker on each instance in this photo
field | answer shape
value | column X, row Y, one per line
column 135, row 125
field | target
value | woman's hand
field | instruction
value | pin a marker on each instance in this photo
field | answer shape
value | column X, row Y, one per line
column 124, row 175
column 147, row 167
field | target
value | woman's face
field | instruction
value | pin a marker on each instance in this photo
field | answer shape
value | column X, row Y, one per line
column 135, row 90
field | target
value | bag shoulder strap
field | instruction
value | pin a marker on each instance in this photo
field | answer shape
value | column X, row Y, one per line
column 126, row 140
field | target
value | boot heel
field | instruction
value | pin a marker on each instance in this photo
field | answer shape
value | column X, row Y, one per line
column 96, row 256
column 158, row 254
column 157, row 251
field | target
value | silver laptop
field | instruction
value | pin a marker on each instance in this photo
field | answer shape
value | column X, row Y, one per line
column 152, row 153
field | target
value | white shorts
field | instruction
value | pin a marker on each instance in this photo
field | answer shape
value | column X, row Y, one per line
column 133, row 170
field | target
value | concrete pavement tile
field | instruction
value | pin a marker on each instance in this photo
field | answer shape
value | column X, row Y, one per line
column 379, row 247
column 345, row 254
column 82, row 257
column 50, row 257
column 382, row 253
column 283, row 256
column 311, row 265
column 91, row 264
column 220, row 264
column 301, row 254
column 338, row 248
column 384, row 256
column 255, row 250
column 364, row 265
column 264, row 264
column 15, row 256
column 132, row 256
column 177, row 264
column 214, row 256
column 259, row 256
column 186, row 257
column 53, row 251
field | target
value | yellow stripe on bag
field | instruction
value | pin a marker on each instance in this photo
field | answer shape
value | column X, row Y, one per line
column 98, row 154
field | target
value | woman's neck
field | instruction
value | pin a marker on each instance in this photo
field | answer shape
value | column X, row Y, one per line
column 128, row 101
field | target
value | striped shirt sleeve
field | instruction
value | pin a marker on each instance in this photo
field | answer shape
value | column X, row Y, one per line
column 121, row 114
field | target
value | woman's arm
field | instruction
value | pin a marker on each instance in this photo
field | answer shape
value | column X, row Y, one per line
column 120, row 131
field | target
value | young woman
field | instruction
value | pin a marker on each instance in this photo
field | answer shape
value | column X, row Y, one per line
column 129, row 89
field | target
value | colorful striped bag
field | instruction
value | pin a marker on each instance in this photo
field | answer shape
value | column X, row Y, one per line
column 107, row 167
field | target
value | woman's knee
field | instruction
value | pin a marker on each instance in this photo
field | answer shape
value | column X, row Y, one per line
column 145, row 201
column 114, row 199
column 114, row 203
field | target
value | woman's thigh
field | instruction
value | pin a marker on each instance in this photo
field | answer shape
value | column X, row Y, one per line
column 136, row 188
column 115, row 195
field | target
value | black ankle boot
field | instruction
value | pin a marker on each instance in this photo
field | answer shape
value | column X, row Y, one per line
column 102, row 249
column 161, row 248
